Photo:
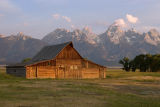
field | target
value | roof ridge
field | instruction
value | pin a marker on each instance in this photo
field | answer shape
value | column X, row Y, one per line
column 60, row 44
column 49, row 52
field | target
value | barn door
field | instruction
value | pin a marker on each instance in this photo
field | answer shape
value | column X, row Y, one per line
column 60, row 73
column 101, row 73
column 75, row 72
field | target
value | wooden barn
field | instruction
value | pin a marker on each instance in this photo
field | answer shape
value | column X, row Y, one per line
column 60, row 61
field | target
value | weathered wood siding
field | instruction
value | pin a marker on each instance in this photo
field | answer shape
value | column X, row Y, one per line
column 67, row 64
column 16, row 71
column 40, row 71
column 91, row 70
column 31, row 72
column 90, row 73
column 68, row 53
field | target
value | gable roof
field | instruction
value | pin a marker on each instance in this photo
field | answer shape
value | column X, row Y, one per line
column 49, row 52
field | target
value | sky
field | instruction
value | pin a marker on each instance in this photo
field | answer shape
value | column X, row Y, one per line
column 37, row 18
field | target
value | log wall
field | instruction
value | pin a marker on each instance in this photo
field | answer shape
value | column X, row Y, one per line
column 46, row 72
column 90, row 73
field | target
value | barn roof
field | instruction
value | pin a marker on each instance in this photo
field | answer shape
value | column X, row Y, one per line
column 49, row 52
column 46, row 53
column 18, row 64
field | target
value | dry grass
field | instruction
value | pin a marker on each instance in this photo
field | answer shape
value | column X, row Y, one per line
column 2, row 69
column 119, row 89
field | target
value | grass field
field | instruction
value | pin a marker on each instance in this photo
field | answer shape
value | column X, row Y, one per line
column 119, row 89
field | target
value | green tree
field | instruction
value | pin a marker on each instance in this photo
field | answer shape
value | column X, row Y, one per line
column 125, row 63
column 141, row 63
column 26, row 60
column 132, row 65
column 155, row 63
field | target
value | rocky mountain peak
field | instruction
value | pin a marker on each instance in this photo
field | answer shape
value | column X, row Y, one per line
column 152, row 37
column 57, row 36
column 19, row 36
column 132, row 36
column 153, row 33
column 61, row 30
column 85, row 34
column 115, row 33
column 22, row 36
column 87, row 29
column 77, row 32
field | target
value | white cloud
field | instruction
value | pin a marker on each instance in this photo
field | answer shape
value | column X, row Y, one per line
column 56, row 16
column 120, row 22
column 131, row 19
column 66, row 18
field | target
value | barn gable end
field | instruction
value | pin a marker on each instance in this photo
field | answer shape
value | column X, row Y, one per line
column 68, row 52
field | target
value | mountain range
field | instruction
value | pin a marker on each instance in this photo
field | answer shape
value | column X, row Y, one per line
column 106, row 48
column 14, row 48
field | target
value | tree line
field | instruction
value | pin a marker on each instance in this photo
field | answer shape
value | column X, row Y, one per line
column 143, row 62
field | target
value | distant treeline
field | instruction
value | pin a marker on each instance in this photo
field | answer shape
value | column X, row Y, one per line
column 143, row 62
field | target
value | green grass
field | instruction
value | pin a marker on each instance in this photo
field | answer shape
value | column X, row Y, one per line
column 119, row 89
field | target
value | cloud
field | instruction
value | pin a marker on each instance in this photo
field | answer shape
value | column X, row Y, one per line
column 66, row 18
column 7, row 6
column 131, row 19
column 120, row 22
column 56, row 16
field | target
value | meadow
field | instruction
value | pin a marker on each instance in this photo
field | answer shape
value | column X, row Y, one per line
column 119, row 89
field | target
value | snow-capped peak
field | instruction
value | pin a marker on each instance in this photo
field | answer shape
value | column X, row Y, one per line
column 87, row 29
column 19, row 36
column 91, row 37
column 61, row 30
column 152, row 37
column 115, row 33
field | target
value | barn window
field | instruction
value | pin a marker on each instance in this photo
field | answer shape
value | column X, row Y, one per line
column 75, row 67
column 61, row 66
column 71, row 67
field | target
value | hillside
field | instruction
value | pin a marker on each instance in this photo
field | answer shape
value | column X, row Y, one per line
column 14, row 48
